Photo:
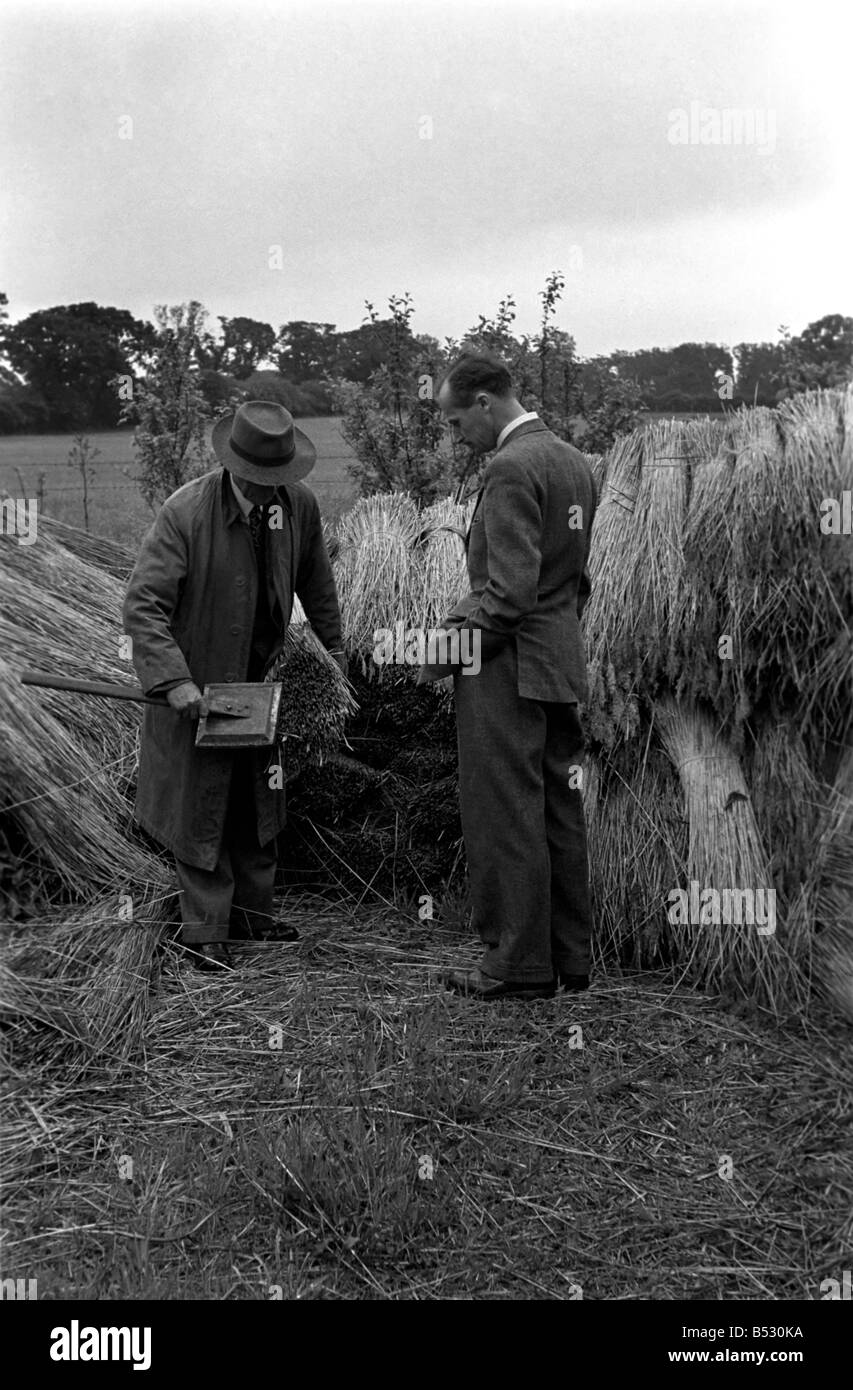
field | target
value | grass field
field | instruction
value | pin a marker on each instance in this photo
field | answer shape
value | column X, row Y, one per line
column 116, row 508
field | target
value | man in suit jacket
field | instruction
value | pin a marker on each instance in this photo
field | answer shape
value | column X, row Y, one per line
column 519, row 736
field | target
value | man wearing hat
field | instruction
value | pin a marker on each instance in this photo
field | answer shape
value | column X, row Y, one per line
column 210, row 600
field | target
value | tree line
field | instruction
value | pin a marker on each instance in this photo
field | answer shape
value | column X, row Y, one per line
column 59, row 366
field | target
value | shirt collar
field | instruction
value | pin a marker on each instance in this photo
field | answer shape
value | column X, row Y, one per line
column 242, row 501
column 513, row 424
column 236, row 505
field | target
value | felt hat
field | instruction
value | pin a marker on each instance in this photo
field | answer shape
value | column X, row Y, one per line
column 260, row 443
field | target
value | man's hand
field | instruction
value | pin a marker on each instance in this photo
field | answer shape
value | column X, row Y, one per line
column 186, row 700
column 441, row 670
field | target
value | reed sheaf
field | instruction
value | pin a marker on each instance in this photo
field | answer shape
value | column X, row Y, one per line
column 317, row 699
column 398, row 563
column 721, row 614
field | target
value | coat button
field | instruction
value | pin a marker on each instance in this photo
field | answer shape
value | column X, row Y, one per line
column 240, row 580
column 235, row 629
column 230, row 675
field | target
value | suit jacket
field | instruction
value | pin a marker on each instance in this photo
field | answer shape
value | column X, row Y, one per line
column 189, row 609
column 528, row 554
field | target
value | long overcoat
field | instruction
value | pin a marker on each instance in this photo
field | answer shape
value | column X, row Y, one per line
column 189, row 610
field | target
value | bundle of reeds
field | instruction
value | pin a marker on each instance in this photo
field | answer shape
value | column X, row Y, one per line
column 765, row 959
column 780, row 594
column 711, row 576
column 598, row 465
column 698, row 623
column 61, row 615
column 317, row 700
column 759, row 575
column 440, row 574
column 637, row 842
column 374, row 567
column 66, row 798
column 104, row 554
column 788, row 797
column 46, row 591
column 81, row 968
column 618, row 556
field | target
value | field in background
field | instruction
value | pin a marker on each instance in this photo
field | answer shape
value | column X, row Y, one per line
column 116, row 509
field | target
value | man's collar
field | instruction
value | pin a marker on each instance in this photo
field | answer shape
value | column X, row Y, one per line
column 513, row 424
column 235, row 505
column 241, row 499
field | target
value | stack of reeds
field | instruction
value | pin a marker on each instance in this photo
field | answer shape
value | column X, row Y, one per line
column 761, row 574
column 67, row 768
column 711, row 577
column 721, row 614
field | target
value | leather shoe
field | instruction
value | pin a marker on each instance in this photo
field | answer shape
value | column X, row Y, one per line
column 211, row 956
column 475, row 985
column 573, row 984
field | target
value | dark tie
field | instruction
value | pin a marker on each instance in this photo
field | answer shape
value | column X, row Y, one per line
column 258, row 527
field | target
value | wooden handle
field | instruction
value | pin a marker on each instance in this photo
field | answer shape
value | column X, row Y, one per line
column 113, row 692
column 221, row 705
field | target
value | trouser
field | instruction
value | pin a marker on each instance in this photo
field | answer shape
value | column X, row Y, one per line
column 523, row 824
column 235, row 898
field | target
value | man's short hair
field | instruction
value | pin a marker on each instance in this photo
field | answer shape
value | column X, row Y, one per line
column 476, row 371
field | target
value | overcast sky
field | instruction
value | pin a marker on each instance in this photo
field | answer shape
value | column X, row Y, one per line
column 301, row 126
